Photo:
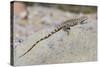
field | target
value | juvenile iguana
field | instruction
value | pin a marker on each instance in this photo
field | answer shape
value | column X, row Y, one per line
column 65, row 26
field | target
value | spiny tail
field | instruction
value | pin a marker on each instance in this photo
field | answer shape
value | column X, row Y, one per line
column 56, row 30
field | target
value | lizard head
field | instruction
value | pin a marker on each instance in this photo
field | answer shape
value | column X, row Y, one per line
column 83, row 20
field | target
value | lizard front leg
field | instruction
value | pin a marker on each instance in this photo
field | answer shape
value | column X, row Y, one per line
column 67, row 29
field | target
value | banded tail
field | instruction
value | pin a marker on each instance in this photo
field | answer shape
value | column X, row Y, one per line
column 53, row 32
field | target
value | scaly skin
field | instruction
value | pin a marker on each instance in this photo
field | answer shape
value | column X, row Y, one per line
column 65, row 26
